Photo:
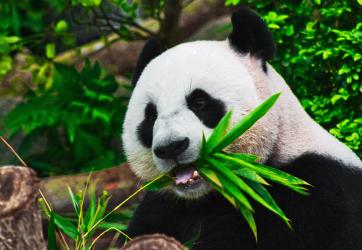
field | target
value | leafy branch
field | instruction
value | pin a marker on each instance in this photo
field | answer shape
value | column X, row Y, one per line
column 239, row 176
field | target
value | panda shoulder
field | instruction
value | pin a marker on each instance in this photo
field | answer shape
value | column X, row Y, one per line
column 321, row 166
column 328, row 176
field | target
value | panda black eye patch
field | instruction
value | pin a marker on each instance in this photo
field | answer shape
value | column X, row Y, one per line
column 208, row 109
column 145, row 129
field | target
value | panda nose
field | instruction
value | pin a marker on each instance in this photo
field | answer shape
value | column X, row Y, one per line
column 172, row 150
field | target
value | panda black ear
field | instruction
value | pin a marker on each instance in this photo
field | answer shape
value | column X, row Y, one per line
column 251, row 35
column 151, row 50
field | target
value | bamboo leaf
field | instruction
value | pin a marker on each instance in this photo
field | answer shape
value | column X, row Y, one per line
column 267, row 197
column 210, row 175
column 233, row 189
column 247, row 122
column 268, row 172
column 89, row 215
column 203, row 150
column 287, row 177
column 101, row 207
column 243, row 172
column 245, row 157
column 299, row 189
column 244, row 187
column 66, row 226
column 52, row 240
column 108, row 225
column 250, row 220
column 73, row 200
column 250, row 175
column 219, row 132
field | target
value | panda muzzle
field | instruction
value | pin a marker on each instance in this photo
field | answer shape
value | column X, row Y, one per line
column 185, row 175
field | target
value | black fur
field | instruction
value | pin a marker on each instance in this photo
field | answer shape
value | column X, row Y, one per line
column 145, row 129
column 329, row 218
column 208, row 109
column 251, row 35
column 151, row 50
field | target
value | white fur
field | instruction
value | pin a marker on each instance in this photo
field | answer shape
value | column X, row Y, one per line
column 285, row 132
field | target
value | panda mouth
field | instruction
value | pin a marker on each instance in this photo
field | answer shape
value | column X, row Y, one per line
column 186, row 176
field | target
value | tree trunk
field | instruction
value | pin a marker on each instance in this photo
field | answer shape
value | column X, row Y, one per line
column 168, row 27
column 154, row 241
column 20, row 218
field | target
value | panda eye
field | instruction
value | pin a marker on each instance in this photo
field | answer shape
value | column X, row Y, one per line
column 208, row 109
column 198, row 103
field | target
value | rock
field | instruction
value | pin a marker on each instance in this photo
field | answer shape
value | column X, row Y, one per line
column 20, row 217
column 119, row 182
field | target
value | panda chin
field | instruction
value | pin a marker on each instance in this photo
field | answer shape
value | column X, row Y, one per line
column 188, row 183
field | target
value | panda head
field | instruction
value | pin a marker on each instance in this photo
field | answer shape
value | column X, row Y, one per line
column 185, row 91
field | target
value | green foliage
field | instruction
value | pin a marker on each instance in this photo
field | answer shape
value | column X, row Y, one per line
column 52, row 242
column 78, row 114
column 319, row 53
column 236, row 175
column 81, row 227
column 25, row 24
column 42, row 28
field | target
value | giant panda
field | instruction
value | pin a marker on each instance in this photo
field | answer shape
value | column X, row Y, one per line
column 187, row 89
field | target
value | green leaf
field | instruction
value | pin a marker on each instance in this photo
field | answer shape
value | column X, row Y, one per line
column 101, row 207
column 219, row 132
column 289, row 30
column 74, row 200
column 211, row 176
column 203, row 150
column 50, row 50
column 244, row 187
column 243, row 171
column 245, row 157
column 89, row 216
column 44, row 207
column 232, row 2
column 268, row 172
column 61, row 26
column 52, row 239
column 71, row 134
column 360, row 2
column 12, row 39
column 66, row 226
column 247, row 122
column 267, row 197
column 273, row 26
column 108, row 225
column 87, row 3
column 233, row 190
column 249, row 219
column 250, row 175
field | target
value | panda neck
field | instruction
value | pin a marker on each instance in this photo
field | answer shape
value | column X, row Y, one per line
column 298, row 133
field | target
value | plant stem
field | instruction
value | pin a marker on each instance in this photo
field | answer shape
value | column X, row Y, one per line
column 13, row 151
column 123, row 202
column 50, row 209
column 106, row 231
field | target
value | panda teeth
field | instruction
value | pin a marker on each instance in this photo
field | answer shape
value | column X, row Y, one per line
column 190, row 181
column 195, row 175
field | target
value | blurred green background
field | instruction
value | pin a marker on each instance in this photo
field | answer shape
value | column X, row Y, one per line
column 65, row 68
